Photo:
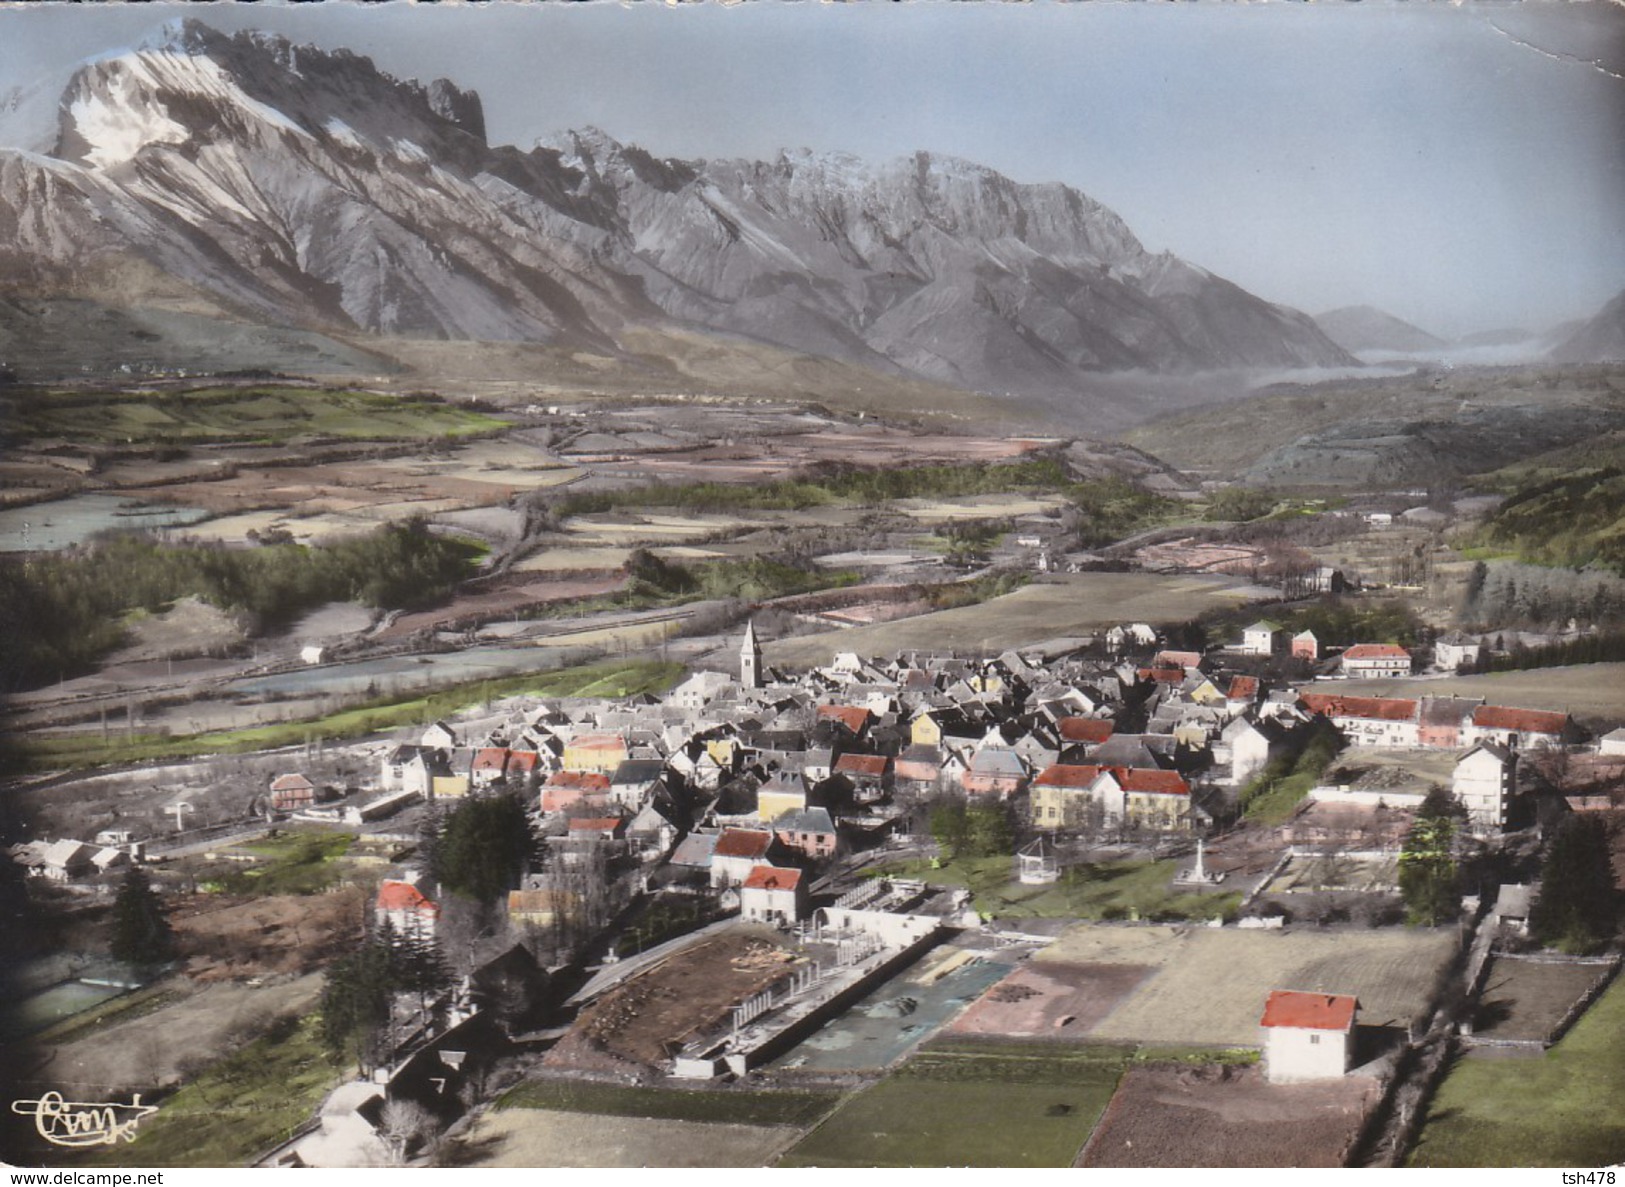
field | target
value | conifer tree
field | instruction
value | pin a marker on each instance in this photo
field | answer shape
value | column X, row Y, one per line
column 141, row 934
column 1575, row 910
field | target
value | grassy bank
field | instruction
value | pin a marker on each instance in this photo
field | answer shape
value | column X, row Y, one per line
column 1557, row 1109
column 238, row 1108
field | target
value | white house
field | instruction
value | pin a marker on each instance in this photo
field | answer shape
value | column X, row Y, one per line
column 773, row 894
column 406, row 909
column 1612, row 743
column 1485, row 780
column 1259, row 639
column 1370, row 660
column 1307, row 1036
column 1456, row 651
column 738, row 851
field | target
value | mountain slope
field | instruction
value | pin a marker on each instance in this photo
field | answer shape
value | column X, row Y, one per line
column 1362, row 327
column 305, row 187
column 1600, row 340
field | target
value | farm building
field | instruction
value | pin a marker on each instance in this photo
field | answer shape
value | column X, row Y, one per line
column 1370, row 660
column 1307, row 1036
column 1524, row 728
column 1367, row 721
column 1455, row 651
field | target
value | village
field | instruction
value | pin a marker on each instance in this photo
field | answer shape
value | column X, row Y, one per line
column 750, row 904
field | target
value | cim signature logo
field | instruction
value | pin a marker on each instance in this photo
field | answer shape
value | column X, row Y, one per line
column 77, row 1123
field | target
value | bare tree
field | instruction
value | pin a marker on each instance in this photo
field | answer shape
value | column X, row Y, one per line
column 405, row 1127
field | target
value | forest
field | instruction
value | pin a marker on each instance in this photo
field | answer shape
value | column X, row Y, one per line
column 61, row 613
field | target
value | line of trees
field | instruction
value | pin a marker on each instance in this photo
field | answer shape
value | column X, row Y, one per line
column 61, row 612
column 1505, row 593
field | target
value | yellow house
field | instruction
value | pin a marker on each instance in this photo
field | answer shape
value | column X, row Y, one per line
column 594, row 752
column 1207, row 693
column 450, row 787
column 541, row 908
column 778, row 796
column 721, row 751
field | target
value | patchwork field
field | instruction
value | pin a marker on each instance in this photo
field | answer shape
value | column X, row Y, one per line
column 1211, row 983
column 1526, row 999
column 1556, row 1109
column 961, row 1103
column 1065, row 605
column 1166, row 1116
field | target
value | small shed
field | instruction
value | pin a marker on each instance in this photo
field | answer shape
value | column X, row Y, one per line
column 1308, row 1036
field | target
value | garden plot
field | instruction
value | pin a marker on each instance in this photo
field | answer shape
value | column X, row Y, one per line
column 1164, row 1116
column 1212, row 983
column 1526, row 999
column 1336, row 872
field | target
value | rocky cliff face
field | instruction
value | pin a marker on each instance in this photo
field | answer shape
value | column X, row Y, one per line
column 307, row 187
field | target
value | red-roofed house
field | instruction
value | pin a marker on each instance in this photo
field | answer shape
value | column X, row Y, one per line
column 490, row 766
column 595, row 752
column 773, row 894
column 290, row 793
column 571, row 789
column 597, row 828
column 1186, row 661
column 1161, row 675
column 1368, row 721
column 1366, row 660
column 1308, row 1036
column 1059, row 796
column 869, row 774
column 737, row 852
column 1243, row 691
column 854, row 719
column 1144, row 798
column 406, row 909
column 1523, row 728
column 1084, row 731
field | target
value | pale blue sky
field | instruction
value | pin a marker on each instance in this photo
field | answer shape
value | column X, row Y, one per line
column 1462, row 166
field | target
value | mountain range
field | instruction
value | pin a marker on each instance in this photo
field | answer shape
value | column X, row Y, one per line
column 250, row 178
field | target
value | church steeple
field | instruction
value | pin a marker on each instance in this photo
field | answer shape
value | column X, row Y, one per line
column 750, row 659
